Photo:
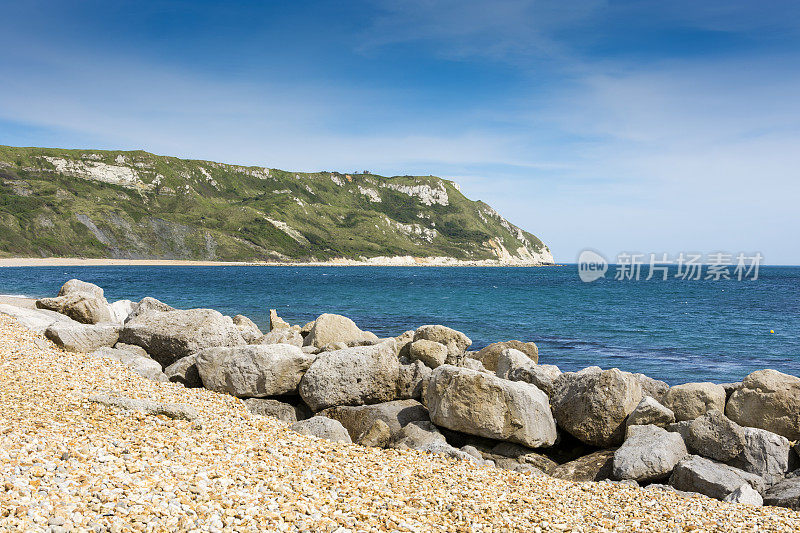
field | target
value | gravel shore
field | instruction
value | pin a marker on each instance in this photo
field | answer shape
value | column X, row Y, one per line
column 71, row 464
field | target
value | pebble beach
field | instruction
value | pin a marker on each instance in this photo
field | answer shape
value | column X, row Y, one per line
column 68, row 464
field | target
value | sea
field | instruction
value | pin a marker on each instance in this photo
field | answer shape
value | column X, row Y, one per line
column 676, row 330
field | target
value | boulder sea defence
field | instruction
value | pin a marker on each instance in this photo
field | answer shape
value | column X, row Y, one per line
column 425, row 390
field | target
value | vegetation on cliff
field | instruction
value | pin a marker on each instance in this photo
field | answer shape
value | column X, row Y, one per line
column 92, row 203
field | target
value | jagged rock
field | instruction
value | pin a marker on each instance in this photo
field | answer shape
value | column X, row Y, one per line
column 142, row 365
column 353, row 376
column 121, row 310
column 650, row 411
column 411, row 379
column 170, row 335
column 379, row 435
column 415, row 435
column 431, row 353
column 37, row 320
column 690, row 400
column 306, row 329
column 481, row 404
column 395, row 414
column 425, row 437
column 515, row 365
column 329, row 329
column 79, row 307
column 171, row 410
column 712, row 435
column 489, row 355
column 253, row 371
column 276, row 322
column 86, row 338
column 730, row 388
column 184, row 371
column 132, row 348
column 784, row 494
column 404, row 341
column 322, row 427
column 456, row 342
column 698, row 474
column 474, row 364
column 83, row 288
column 281, row 336
column 592, row 404
column 592, row 467
column 765, row 454
column 649, row 453
column 522, row 454
column 745, row 494
column 270, row 407
column 652, row 387
column 148, row 305
column 247, row 328
column 769, row 400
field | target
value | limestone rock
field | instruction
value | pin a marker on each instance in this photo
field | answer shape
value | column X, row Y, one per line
column 83, row 288
column 352, row 376
column 649, row 453
column 184, row 371
column 80, row 307
column 142, row 365
column 270, row 407
column 650, row 411
column 456, row 342
column 148, row 305
column 121, row 310
column 765, row 454
column 379, row 435
column 395, row 414
column 515, row 365
column 86, row 338
column 698, row 474
column 276, row 322
column 523, row 455
column 37, row 320
column 593, row 404
column 253, row 371
column 411, row 379
column 769, row 400
column 170, row 335
column 404, row 341
column 489, row 355
column 745, row 494
column 690, row 400
column 652, row 387
column 172, row 410
column 485, row 405
column 329, row 329
column 784, row 494
column 247, row 328
column 322, row 427
column 713, row 435
column 431, row 353
column 593, row 467
column 281, row 336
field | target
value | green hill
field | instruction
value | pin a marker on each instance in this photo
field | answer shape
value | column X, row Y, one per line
column 90, row 203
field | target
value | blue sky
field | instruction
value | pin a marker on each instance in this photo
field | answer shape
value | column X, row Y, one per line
column 619, row 126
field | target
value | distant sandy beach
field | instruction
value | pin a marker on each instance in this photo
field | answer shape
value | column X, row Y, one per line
column 377, row 261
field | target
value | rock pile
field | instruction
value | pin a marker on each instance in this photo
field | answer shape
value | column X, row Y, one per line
column 425, row 390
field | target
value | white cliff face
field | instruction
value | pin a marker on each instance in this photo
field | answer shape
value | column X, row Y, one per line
column 288, row 230
column 413, row 230
column 371, row 194
column 97, row 171
column 427, row 195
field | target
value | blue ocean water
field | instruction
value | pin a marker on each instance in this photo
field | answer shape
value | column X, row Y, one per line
column 674, row 330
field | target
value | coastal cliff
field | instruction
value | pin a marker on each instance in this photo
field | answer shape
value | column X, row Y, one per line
column 136, row 205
